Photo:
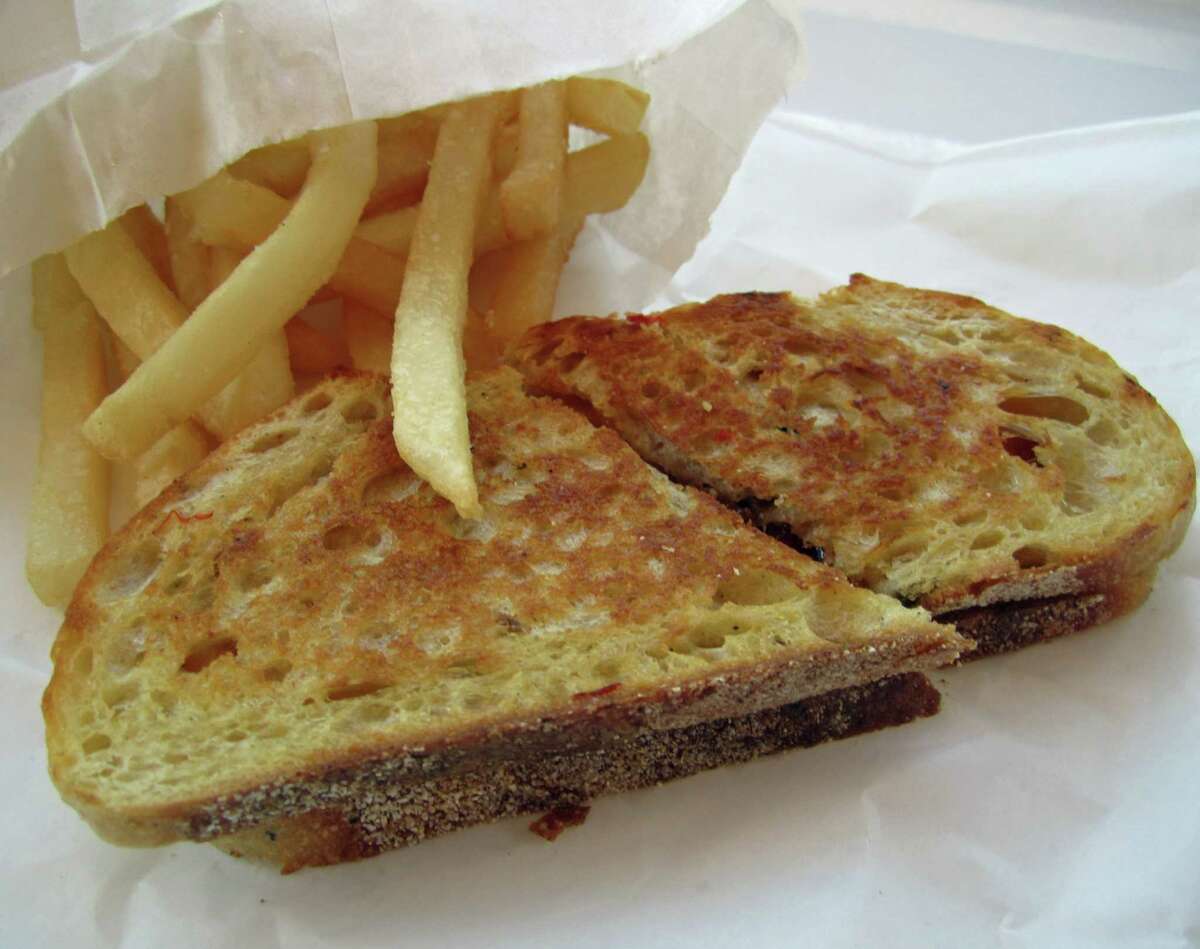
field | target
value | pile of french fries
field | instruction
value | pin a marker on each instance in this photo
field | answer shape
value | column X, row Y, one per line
column 416, row 246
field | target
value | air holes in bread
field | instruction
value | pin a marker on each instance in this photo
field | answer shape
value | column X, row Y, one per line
column 755, row 588
column 546, row 352
column 257, row 576
column 94, row 743
column 277, row 671
column 272, row 440
column 126, row 652
column 1093, row 388
column 360, row 410
column 832, row 616
column 354, row 691
column 205, row 654
column 391, row 486
column 134, row 573
column 316, row 402
column 570, row 362
column 1030, row 556
column 1055, row 407
column 974, row 516
column 1077, row 499
column 83, row 662
column 1020, row 447
column 989, row 538
column 711, row 634
column 1104, row 432
column 116, row 696
column 350, row 536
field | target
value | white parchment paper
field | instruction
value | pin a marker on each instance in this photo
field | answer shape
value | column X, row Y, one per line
column 150, row 98
column 1051, row 803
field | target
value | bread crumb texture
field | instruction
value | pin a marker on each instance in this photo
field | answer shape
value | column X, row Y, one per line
column 930, row 446
column 301, row 602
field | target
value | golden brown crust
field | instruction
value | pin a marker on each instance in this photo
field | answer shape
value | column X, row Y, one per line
column 300, row 617
column 401, row 815
column 930, row 446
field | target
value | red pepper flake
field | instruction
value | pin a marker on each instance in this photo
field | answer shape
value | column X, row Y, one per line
column 596, row 693
column 723, row 435
column 182, row 518
column 555, row 821
column 641, row 319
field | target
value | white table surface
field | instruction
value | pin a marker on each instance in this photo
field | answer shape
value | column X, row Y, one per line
column 1037, row 155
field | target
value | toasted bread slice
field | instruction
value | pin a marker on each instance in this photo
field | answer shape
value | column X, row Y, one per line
column 928, row 445
column 300, row 624
column 367, row 824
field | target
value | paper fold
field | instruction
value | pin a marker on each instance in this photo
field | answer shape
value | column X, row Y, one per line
column 157, row 99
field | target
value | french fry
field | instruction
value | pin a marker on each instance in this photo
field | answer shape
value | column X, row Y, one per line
column 605, row 105
column 428, row 393
column 141, row 311
column 312, row 351
column 279, row 167
column 482, row 347
column 266, row 383
column 188, row 257
column 529, row 278
column 368, row 337
column 148, row 233
column 232, row 324
column 173, row 455
column 598, row 179
column 404, row 154
column 68, row 513
column 228, row 212
column 531, row 196
column 393, row 231
column 125, row 289
column 504, row 154
column 403, row 166
column 604, row 176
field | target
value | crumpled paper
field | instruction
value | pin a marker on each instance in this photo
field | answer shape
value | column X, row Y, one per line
column 150, row 99
column 1051, row 803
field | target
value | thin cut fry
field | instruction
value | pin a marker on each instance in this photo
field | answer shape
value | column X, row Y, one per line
column 604, row 176
column 232, row 324
column 504, row 154
column 605, row 105
column 529, row 280
column 228, row 212
column 68, row 513
column 430, row 419
column 267, row 382
column 599, row 178
column 188, row 257
column 393, row 230
column 313, row 351
column 403, row 167
column 173, row 455
column 141, row 311
column 404, row 154
column 531, row 196
column 148, row 233
column 368, row 337
column 482, row 347
column 279, row 167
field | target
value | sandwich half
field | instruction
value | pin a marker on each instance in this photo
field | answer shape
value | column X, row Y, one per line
column 301, row 651
column 1006, row 475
